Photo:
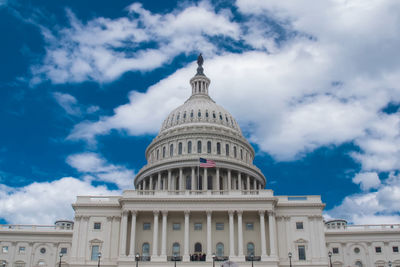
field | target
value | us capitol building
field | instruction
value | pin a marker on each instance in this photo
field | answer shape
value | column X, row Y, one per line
column 188, row 215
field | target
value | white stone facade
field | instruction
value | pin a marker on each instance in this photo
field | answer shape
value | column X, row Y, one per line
column 192, row 213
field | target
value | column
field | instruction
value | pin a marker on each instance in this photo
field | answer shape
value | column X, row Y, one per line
column 262, row 233
column 159, row 181
column 151, row 183
column 186, row 256
column 180, row 179
column 107, row 245
column 164, row 234
column 229, row 181
column 209, row 250
column 133, row 235
column 75, row 237
column 217, row 179
column 231, row 235
column 169, row 181
column 239, row 181
column 248, row 183
column 193, row 187
column 272, row 233
column 240, row 233
column 155, row 234
column 122, row 236
column 254, row 183
column 205, row 180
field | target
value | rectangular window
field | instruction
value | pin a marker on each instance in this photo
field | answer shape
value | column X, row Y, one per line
column 5, row 249
column 21, row 250
column 95, row 253
column 219, row 226
column 299, row 225
column 395, row 249
column 198, row 226
column 97, row 226
column 63, row 251
column 378, row 249
column 146, row 226
column 250, row 226
column 335, row 250
column 176, row 226
column 302, row 253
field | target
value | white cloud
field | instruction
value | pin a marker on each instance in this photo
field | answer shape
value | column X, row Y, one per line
column 44, row 203
column 103, row 49
column 367, row 180
column 95, row 167
column 70, row 104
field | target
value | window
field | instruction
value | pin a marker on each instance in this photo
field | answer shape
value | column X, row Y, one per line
column 189, row 147
column 63, row 251
column 198, row 226
column 209, row 147
column 191, row 114
column 219, row 148
column 302, row 253
column 234, row 152
column 177, row 117
column 241, row 154
column 95, row 252
column 180, row 148
column 43, row 250
column 21, row 250
column 199, row 114
column 19, row 264
column 395, row 249
column 206, row 114
column 198, row 146
column 171, row 150
column 146, row 226
column 359, row 264
column 220, row 117
column 41, row 263
column 188, row 183
column 184, row 115
column 250, row 226
column 176, row 249
column 299, row 225
column 214, row 115
column 197, row 247
column 250, row 249
column 378, row 249
column 209, row 182
column 219, row 226
column 335, row 250
column 158, row 154
column 145, row 249
column 356, row 250
column 163, row 152
column 220, row 249
column 5, row 249
column 97, row 226
column 227, row 149
column 176, row 226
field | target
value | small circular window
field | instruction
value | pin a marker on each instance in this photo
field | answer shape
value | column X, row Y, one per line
column 42, row 250
column 357, row 250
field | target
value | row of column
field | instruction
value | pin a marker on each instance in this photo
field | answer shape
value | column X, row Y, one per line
column 158, row 182
column 186, row 257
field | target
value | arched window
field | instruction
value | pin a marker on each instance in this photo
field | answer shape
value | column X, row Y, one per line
column 158, row 154
column 176, row 249
column 206, row 113
column 220, row 249
column 219, row 148
column 171, row 150
column 189, row 147
column 198, row 146
column 180, row 148
column 163, row 152
column 191, row 114
column 234, row 152
column 145, row 249
column 199, row 114
column 184, row 115
column 220, row 116
column 359, row 264
column 209, row 147
column 241, row 154
column 197, row 247
column 227, row 149
column 177, row 183
column 250, row 249
column 214, row 115
column 177, row 117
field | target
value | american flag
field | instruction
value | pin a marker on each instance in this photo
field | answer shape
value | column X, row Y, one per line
column 206, row 163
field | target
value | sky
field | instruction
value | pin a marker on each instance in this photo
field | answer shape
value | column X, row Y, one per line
column 314, row 85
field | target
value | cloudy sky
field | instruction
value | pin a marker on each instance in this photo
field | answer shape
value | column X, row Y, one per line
column 85, row 86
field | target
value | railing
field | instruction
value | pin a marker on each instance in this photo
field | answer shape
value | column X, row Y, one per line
column 371, row 227
column 198, row 257
column 255, row 258
column 144, row 258
column 200, row 192
column 32, row 227
column 221, row 258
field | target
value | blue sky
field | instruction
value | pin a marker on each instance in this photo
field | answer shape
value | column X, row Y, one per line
column 85, row 86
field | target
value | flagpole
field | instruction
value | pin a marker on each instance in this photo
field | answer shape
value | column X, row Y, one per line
column 198, row 174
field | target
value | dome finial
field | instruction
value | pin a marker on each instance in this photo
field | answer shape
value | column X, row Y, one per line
column 200, row 61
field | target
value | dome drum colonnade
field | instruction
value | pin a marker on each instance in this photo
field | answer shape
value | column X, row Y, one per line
column 212, row 133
